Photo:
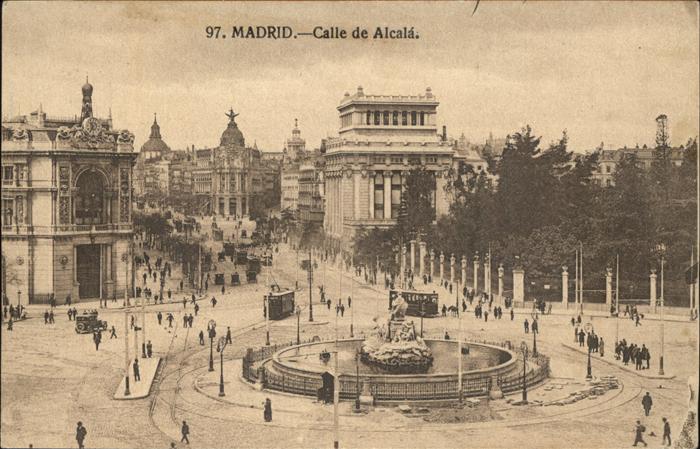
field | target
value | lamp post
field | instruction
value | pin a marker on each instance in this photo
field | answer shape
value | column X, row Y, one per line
column 589, row 374
column 212, row 333
column 297, row 312
column 220, row 349
column 661, row 250
column 126, row 354
column 523, row 349
column 534, row 340
column 357, row 380
column 266, row 306
column 311, row 280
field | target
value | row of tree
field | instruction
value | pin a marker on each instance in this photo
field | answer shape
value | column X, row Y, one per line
column 541, row 204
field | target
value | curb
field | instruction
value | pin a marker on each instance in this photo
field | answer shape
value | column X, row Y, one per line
column 622, row 367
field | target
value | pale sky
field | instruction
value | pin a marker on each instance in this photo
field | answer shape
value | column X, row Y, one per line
column 602, row 71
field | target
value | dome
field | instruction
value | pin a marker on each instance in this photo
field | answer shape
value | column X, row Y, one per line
column 232, row 136
column 155, row 145
column 87, row 89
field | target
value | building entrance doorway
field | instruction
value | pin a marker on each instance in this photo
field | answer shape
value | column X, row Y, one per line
column 88, row 271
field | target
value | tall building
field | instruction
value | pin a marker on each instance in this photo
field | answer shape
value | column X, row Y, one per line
column 294, row 146
column 294, row 152
column 228, row 177
column 604, row 173
column 66, row 206
column 310, row 204
column 381, row 138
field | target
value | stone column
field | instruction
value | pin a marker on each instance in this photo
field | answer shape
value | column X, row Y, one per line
column 500, row 282
column 356, row 194
column 464, row 270
column 413, row 256
column 519, row 285
column 421, row 258
column 432, row 264
column 452, row 269
column 387, row 195
column 608, row 288
column 565, row 287
column 487, row 273
column 442, row 266
column 476, row 272
column 652, row 291
column 403, row 262
column 370, row 184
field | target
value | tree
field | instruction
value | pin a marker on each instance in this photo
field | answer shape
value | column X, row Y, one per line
column 418, row 211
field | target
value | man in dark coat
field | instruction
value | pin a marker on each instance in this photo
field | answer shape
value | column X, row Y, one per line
column 267, row 413
column 137, row 373
column 638, row 431
column 80, row 433
column 647, row 403
column 185, row 431
column 667, row 432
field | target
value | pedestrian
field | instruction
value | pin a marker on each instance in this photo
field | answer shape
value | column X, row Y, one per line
column 636, row 321
column 444, row 310
column 223, row 289
column 97, row 338
column 184, row 303
column 9, row 324
column 185, row 431
column 170, row 294
column 535, row 327
column 185, row 320
column 193, row 299
column 647, row 403
column 51, row 317
column 328, row 304
column 137, row 375
column 667, row 432
column 638, row 431
column 228, row 335
column 601, row 346
column 170, row 319
column 201, row 338
column 4, row 312
column 213, row 301
column 113, row 333
column 267, row 411
column 133, row 318
column 342, row 310
column 149, row 349
column 46, row 317
column 486, row 316
column 160, row 318
column 144, row 277
column 527, row 326
column 512, row 314
column 196, row 309
column 447, row 336
column 80, row 433
column 349, row 301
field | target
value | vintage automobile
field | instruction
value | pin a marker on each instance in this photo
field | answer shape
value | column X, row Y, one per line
column 87, row 323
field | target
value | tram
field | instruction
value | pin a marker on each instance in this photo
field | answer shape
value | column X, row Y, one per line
column 281, row 304
column 418, row 302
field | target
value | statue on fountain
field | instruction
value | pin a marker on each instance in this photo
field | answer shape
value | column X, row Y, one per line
column 400, row 350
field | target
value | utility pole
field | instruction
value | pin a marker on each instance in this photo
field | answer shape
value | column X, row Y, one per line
column 352, row 286
column 311, row 280
column 617, row 299
column 126, row 354
column 336, row 398
column 459, row 353
column 661, row 359
column 581, row 273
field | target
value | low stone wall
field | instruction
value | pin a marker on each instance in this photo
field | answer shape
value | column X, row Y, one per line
column 263, row 366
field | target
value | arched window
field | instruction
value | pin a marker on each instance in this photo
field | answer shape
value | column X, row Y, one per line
column 413, row 118
column 377, row 117
column 90, row 204
column 404, row 118
column 395, row 118
column 386, row 118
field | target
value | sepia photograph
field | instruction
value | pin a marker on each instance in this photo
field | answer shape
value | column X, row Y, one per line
column 354, row 224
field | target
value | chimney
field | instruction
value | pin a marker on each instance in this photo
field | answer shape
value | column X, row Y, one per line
column 444, row 133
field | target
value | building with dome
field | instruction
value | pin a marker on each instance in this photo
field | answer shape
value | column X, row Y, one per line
column 227, row 178
column 66, row 206
column 152, row 169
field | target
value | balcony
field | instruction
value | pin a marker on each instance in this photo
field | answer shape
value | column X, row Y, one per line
column 99, row 229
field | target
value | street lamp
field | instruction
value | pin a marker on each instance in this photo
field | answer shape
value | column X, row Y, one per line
column 311, row 280
column 297, row 312
column 212, row 333
column 220, row 349
column 266, row 307
column 661, row 250
column 357, row 380
column 589, row 375
column 523, row 349
column 534, row 338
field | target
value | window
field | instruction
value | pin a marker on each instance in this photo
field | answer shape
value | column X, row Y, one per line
column 232, row 183
column 8, row 209
column 608, row 182
column 607, row 169
column 395, row 118
column 243, row 182
column 90, row 200
column 395, row 195
column 413, row 118
column 378, row 159
column 221, row 206
column 404, row 118
column 222, row 182
column 377, row 117
column 379, row 196
column 232, row 206
column 414, row 160
column 422, row 118
column 7, row 174
column 397, row 159
column 386, row 118
column 369, row 117
column 431, row 159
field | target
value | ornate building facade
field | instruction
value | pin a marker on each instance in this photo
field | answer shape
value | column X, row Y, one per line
column 381, row 138
column 229, row 176
column 66, row 206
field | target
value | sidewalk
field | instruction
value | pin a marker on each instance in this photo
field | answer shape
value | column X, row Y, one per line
column 142, row 388
column 647, row 373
